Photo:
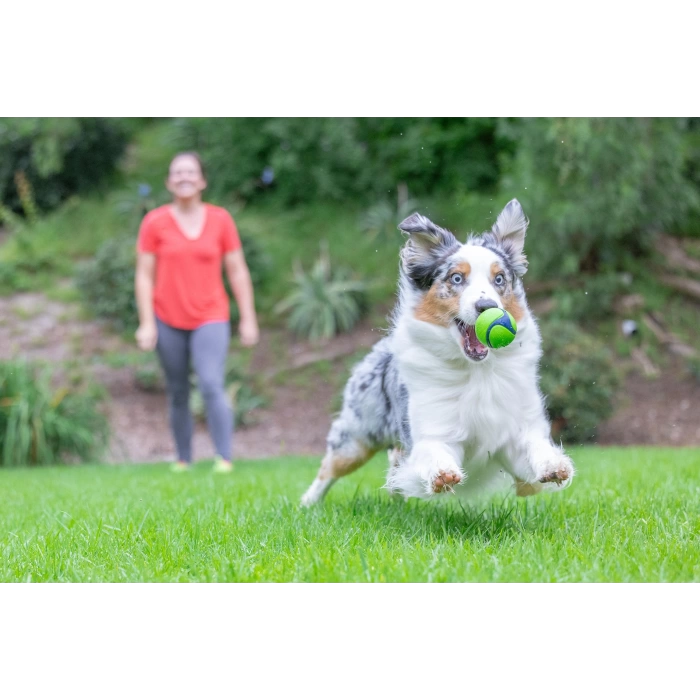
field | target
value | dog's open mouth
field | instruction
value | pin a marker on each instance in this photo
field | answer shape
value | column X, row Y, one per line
column 473, row 348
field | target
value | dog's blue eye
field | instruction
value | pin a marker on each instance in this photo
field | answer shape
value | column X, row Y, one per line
column 499, row 280
column 456, row 278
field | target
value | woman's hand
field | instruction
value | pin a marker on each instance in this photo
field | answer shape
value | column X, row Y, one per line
column 249, row 332
column 147, row 336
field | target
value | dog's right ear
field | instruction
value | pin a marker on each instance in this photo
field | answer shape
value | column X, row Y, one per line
column 427, row 247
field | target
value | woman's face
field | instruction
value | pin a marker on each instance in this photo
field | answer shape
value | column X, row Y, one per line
column 185, row 179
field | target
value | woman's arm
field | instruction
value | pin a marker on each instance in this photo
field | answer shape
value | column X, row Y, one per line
column 242, row 287
column 147, row 333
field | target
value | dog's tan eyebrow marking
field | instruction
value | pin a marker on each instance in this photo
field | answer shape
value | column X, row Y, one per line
column 497, row 269
column 464, row 269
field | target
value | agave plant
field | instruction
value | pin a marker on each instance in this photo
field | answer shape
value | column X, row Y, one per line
column 325, row 301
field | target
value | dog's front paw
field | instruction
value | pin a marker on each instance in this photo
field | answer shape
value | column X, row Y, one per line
column 430, row 469
column 445, row 480
column 556, row 473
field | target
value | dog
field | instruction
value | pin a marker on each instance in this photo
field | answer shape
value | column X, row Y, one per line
column 451, row 411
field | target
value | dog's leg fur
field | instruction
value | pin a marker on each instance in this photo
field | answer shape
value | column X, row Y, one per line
column 339, row 461
column 537, row 464
column 431, row 468
column 372, row 418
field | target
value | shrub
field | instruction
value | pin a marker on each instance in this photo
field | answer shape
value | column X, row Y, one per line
column 342, row 159
column 40, row 425
column 325, row 301
column 58, row 156
column 107, row 282
column 593, row 300
column 17, row 270
column 598, row 190
column 437, row 153
column 578, row 380
column 259, row 265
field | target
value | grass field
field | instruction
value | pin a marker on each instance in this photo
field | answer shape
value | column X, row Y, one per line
column 631, row 515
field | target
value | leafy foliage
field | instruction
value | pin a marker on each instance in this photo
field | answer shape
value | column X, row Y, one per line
column 578, row 380
column 107, row 282
column 325, row 301
column 598, row 190
column 58, row 156
column 342, row 159
column 40, row 425
column 260, row 267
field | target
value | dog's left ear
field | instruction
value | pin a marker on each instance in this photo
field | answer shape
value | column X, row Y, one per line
column 509, row 229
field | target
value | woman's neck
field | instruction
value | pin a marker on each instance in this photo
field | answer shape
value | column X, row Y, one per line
column 187, row 206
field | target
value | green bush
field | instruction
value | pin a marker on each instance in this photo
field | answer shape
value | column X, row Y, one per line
column 598, row 190
column 690, row 224
column 342, row 159
column 40, row 425
column 578, row 380
column 58, row 156
column 592, row 299
column 260, row 267
column 436, row 153
column 325, row 301
column 107, row 282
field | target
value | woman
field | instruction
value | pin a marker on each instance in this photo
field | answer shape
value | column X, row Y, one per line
column 183, row 307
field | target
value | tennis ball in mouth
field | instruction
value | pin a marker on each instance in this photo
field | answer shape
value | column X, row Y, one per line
column 495, row 328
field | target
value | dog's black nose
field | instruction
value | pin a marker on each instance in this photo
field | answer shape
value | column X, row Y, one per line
column 484, row 304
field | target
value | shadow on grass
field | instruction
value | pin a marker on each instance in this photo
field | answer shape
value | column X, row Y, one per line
column 492, row 520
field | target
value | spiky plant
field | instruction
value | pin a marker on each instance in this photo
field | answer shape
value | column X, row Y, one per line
column 43, row 425
column 325, row 301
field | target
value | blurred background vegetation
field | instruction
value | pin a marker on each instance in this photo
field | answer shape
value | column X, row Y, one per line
column 614, row 207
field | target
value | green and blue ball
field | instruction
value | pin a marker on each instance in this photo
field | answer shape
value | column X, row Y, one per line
column 495, row 328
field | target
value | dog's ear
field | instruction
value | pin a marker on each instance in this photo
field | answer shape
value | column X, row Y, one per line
column 509, row 229
column 427, row 247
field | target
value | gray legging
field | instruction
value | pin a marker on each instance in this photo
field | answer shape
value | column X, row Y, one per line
column 206, row 347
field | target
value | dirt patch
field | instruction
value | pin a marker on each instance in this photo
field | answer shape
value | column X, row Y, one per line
column 662, row 411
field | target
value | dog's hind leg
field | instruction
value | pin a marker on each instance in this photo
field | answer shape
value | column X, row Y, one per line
column 341, row 459
column 369, row 420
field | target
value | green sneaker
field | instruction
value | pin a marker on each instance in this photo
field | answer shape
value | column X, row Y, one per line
column 221, row 466
column 179, row 467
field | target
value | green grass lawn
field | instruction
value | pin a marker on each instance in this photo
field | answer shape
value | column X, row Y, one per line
column 631, row 515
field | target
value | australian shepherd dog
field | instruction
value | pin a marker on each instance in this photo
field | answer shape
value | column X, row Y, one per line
column 451, row 411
